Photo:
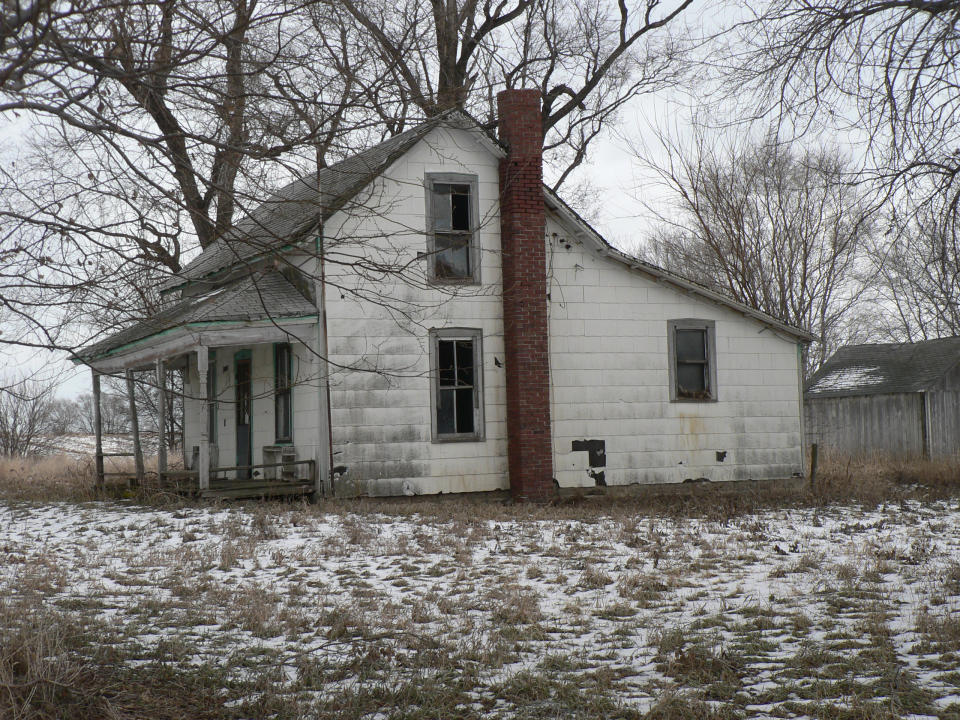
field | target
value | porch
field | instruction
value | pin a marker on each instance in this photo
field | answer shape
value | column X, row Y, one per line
column 220, row 485
column 239, row 368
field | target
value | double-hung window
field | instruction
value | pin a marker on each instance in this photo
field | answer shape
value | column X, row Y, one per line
column 282, row 389
column 452, row 221
column 456, row 380
column 693, row 360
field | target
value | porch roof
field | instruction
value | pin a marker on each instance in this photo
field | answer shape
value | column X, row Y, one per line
column 262, row 295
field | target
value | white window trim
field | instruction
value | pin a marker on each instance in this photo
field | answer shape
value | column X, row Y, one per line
column 475, row 335
column 692, row 324
column 454, row 179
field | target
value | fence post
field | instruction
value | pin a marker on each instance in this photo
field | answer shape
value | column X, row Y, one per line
column 813, row 465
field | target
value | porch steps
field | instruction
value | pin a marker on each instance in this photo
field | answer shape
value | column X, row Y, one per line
column 242, row 490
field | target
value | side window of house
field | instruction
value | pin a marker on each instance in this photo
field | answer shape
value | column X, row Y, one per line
column 693, row 360
column 282, row 385
column 456, row 379
column 452, row 220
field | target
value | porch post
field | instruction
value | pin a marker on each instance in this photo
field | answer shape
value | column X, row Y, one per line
column 204, row 459
column 162, row 417
column 323, row 467
column 98, row 426
column 135, row 426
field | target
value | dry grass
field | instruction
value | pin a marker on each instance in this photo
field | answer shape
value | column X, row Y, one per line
column 876, row 478
column 52, row 478
column 840, row 479
column 53, row 666
column 498, row 611
column 57, row 477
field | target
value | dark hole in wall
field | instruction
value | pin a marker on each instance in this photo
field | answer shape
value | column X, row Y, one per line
column 596, row 457
column 721, row 455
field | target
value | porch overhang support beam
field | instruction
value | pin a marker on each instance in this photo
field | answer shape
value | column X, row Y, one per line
column 185, row 340
column 135, row 427
column 98, row 427
column 161, row 416
column 203, row 361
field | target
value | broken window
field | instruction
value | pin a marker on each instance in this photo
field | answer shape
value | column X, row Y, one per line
column 282, row 387
column 692, row 348
column 452, row 220
column 456, row 376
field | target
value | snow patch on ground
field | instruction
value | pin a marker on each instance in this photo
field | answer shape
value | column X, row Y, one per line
column 335, row 599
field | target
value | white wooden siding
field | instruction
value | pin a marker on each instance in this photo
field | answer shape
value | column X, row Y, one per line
column 610, row 380
column 379, row 353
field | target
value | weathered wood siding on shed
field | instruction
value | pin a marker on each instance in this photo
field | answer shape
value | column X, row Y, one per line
column 943, row 410
column 891, row 424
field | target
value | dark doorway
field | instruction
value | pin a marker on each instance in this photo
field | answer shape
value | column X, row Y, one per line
column 244, row 453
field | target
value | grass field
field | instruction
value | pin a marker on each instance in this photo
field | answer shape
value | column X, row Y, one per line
column 360, row 610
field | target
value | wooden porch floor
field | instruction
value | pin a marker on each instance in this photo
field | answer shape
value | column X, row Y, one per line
column 186, row 482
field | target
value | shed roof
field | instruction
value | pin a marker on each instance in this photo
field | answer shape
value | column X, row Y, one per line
column 884, row 368
column 258, row 296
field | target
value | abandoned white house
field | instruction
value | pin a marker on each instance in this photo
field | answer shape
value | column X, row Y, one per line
column 427, row 317
column 899, row 399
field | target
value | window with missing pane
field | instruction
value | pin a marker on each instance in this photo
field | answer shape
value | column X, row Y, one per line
column 692, row 360
column 282, row 388
column 456, row 379
column 452, row 224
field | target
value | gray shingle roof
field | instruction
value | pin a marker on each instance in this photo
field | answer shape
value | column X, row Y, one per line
column 296, row 209
column 888, row 368
column 288, row 217
column 258, row 296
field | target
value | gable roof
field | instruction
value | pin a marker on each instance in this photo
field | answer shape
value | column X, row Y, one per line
column 258, row 296
column 287, row 217
column 884, row 368
column 586, row 232
column 297, row 209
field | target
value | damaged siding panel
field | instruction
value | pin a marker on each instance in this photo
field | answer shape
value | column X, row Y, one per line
column 611, row 381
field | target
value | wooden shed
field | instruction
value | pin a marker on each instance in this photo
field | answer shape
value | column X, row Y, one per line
column 901, row 399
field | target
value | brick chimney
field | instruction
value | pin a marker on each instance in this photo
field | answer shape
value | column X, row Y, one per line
column 522, row 231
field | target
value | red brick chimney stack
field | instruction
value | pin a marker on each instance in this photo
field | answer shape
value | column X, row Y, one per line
column 522, row 239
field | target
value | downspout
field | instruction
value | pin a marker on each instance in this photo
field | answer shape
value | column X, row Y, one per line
column 322, row 349
column 803, row 421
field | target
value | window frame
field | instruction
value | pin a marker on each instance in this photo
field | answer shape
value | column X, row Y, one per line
column 212, row 404
column 710, row 328
column 450, row 334
column 277, row 391
column 446, row 178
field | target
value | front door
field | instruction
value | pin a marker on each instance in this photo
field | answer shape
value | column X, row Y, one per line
column 244, row 454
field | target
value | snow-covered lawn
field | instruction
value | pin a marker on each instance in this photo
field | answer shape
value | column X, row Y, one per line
column 486, row 611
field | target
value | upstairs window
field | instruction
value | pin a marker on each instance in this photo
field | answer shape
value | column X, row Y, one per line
column 693, row 360
column 282, row 385
column 456, row 382
column 452, row 228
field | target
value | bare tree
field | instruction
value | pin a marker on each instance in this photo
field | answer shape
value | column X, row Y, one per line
column 918, row 264
column 587, row 57
column 157, row 124
column 776, row 229
column 26, row 415
column 886, row 70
